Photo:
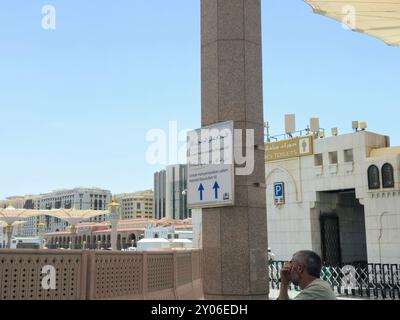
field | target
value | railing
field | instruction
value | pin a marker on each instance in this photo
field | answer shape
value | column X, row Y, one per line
column 368, row 280
column 96, row 274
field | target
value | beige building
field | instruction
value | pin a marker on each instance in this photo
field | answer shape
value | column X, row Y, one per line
column 136, row 205
column 17, row 202
column 338, row 196
column 129, row 231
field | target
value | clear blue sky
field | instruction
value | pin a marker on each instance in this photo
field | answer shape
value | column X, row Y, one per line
column 76, row 103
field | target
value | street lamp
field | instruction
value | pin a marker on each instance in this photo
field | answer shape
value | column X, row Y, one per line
column 114, row 219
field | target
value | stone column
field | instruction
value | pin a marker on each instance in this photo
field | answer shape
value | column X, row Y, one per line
column 9, row 229
column 235, row 238
column 114, row 235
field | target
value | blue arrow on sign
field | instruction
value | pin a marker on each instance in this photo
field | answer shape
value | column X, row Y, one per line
column 201, row 190
column 216, row 187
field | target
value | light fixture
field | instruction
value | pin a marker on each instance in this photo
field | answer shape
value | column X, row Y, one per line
column 355, row 125
column 363, row 126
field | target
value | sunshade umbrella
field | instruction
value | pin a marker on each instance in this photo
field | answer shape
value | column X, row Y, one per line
column 380, row 19
column 10, row 215
column 73, row 216
column 16, row 223
column 5, row 225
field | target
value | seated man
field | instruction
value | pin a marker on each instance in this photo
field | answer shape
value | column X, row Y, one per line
column 304, row 271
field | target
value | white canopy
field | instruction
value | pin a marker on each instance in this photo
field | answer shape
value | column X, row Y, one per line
column 16, row 223
column 377, row 18
column 73, row 216
column 10, row 214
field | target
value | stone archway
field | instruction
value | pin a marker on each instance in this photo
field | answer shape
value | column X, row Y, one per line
column 290, row 180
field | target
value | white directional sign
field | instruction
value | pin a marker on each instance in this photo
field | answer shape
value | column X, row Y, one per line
column 211, row 166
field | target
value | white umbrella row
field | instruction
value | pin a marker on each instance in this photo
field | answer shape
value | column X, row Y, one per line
column 11, row 216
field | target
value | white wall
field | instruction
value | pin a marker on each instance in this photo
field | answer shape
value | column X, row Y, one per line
column 289, row 228
column 383, row 228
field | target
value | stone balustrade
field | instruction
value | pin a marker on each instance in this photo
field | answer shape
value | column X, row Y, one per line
column 93, row 274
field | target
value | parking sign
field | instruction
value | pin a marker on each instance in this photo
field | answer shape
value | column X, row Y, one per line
column 279, row 190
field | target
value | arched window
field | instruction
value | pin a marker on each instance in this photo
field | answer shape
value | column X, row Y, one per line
column 388, row 176
column 373, row 178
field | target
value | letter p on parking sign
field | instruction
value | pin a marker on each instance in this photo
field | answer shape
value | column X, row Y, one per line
column 279, row 193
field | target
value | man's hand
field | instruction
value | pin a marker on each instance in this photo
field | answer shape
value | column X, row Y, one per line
column 285, row 281
column 285, row 274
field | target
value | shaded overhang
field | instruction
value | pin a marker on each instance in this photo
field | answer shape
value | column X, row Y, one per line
column 377, row 18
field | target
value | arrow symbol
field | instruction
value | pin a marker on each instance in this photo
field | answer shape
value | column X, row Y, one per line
column 216, row 187
column 201, row 190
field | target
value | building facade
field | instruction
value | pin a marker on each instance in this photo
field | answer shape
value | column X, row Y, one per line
column 98, row 235
column 81, row 198
column 136, row 204
column 176, row 188
column 16, row 202
column 170, row 187
column 159, row 200
column 338, row 196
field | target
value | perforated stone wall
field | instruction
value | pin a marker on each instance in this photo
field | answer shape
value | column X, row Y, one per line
column 21, row 276
column 92, row 274
column 184, row 268
column 118, row 274
column 160, row 271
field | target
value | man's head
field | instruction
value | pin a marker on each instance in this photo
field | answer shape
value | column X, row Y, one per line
column 304, row 265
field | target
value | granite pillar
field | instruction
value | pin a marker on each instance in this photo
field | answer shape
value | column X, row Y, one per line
column 235, row 238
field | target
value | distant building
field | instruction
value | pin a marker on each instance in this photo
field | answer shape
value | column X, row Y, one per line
column 81, row 198
column 98, row 235
column 16, row 202
column 159, row 194
column 170, row 186
column 136, row 204
column 176, row 187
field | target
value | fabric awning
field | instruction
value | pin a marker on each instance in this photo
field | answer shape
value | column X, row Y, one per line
column 378, row 18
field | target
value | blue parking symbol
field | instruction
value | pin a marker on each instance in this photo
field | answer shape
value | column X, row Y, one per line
column 279, row 190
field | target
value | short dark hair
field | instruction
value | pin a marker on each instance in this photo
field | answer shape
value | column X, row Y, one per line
column 311, row 261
